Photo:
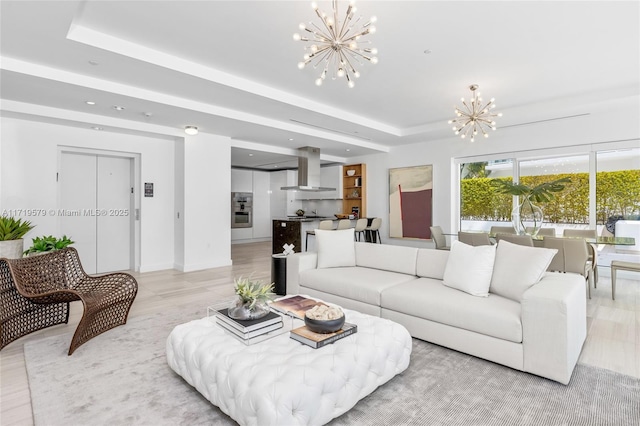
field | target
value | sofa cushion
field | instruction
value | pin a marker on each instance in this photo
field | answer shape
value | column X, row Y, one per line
column 335, row 248
column 361, row 284
column 431, row 263
column 517, row 268
column 469, row 268
column 427, row 298
column 387, row 257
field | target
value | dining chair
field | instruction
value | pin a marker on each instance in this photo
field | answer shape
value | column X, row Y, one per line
column 502, row 230
column 474, row 238
column 438, row 238
column 374, row 230
column 544, row 231
column 593, row 251
column 324, row 224
column 523, row 240
column 575, row 258
column 361, row 225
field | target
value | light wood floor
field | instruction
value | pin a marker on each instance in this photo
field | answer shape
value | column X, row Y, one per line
column 613, row 340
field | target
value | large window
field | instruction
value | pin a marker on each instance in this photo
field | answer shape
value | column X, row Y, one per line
column 594, row 197
column 617, row 185
column 480, row 206
column 571, row 206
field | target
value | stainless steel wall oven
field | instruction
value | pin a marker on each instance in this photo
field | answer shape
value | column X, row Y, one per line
column 241, row 209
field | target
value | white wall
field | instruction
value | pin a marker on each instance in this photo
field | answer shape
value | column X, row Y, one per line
column 28, row 166
column 207, row 202
column 610, row 125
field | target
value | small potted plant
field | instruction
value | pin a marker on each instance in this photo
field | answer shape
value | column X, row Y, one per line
column 41, row 245
column 11, row 232
column 252, row 301
column 300, row 212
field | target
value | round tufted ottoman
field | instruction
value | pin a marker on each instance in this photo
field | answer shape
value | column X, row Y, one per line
column 283, row 382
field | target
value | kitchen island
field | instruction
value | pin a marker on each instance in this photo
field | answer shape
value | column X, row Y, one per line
column 293, row 230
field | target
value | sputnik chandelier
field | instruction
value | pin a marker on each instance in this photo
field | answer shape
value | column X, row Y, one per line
column 474, row 116
column 335, row 45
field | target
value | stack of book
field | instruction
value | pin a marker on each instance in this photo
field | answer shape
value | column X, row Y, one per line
column 249, row 330
column 297, row 306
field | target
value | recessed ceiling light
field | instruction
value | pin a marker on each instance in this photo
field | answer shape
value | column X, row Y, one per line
column 348, row 150
column 96, row 128
column 118, row 108
column 147, row 114
column 90, row 103
column 290, row 139
column 250, row 155
column 92, row 62
column 191, row 130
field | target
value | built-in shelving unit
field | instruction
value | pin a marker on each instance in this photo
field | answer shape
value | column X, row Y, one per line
column 354, row 189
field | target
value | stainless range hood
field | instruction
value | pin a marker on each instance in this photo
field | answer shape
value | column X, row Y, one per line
column 308, row 171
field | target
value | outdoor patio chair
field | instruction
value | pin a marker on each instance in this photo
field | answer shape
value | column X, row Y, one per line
column 36, row 292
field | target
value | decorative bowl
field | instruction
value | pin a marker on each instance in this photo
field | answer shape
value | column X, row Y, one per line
column 351, row 172
column 324, row 326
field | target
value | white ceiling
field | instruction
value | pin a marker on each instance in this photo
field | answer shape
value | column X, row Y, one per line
column 230, row 68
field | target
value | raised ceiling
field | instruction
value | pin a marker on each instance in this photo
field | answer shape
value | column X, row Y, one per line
column 230, row 68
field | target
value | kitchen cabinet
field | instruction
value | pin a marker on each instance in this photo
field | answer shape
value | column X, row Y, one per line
column 241, row 180
column 354, row 189
column 261, row 205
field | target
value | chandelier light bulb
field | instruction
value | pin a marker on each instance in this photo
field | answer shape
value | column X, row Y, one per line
column 474, row 117
column 318, row 81
column 302, row 26
column 333, row 43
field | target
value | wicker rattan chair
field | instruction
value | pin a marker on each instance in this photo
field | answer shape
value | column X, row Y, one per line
column 35, row 293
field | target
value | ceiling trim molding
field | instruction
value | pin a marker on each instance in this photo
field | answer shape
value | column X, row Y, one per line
column 238, row 143
column 49, row 73
column 82, row 34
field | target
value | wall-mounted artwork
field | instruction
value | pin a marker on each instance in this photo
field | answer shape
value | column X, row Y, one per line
column 410, row 207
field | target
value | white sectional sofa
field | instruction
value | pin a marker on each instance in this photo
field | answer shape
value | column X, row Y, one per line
column 540, row 330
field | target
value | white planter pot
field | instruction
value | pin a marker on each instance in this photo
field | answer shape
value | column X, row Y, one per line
column 12, row 249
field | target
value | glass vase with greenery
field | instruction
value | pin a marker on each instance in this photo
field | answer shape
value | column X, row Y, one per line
column 527, row 217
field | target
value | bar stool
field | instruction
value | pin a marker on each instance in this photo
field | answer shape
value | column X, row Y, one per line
column 324, row 224
column 361, row 225
column 344, row 224
column 374, row 230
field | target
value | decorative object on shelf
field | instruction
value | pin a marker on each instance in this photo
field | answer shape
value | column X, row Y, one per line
column 474, row 116
column 336, row 44
column 527, row 217
column 300, row 212
column 351, row 172
column 41, row 245
column 11, row 232
column 410, row 202
column 355, row 194
column 324, row 319
column 252, row 301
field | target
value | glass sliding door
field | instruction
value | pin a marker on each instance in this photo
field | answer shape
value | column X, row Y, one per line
column 570, row 207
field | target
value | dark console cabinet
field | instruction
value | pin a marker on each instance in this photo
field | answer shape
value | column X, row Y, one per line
column 285, row 232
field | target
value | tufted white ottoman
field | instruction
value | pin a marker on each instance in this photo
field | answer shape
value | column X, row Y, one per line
column 283, row 382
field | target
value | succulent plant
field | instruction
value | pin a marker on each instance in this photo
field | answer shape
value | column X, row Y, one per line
column 252, row 292
column 48, row 243
column 13, row 229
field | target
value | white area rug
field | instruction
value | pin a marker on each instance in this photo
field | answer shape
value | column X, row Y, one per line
column 122, row 378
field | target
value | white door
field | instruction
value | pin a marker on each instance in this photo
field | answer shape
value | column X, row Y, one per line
column 77, row 180
column 114, row 201
column 96, row 209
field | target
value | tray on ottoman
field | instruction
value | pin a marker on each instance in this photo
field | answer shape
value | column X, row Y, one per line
column 281, row 381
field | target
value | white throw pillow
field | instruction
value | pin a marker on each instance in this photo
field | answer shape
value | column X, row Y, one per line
column 469, row 268
column 517, row 268
column 335, row 248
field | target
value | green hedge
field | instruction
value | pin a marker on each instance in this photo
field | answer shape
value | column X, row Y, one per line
column 617, row 193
